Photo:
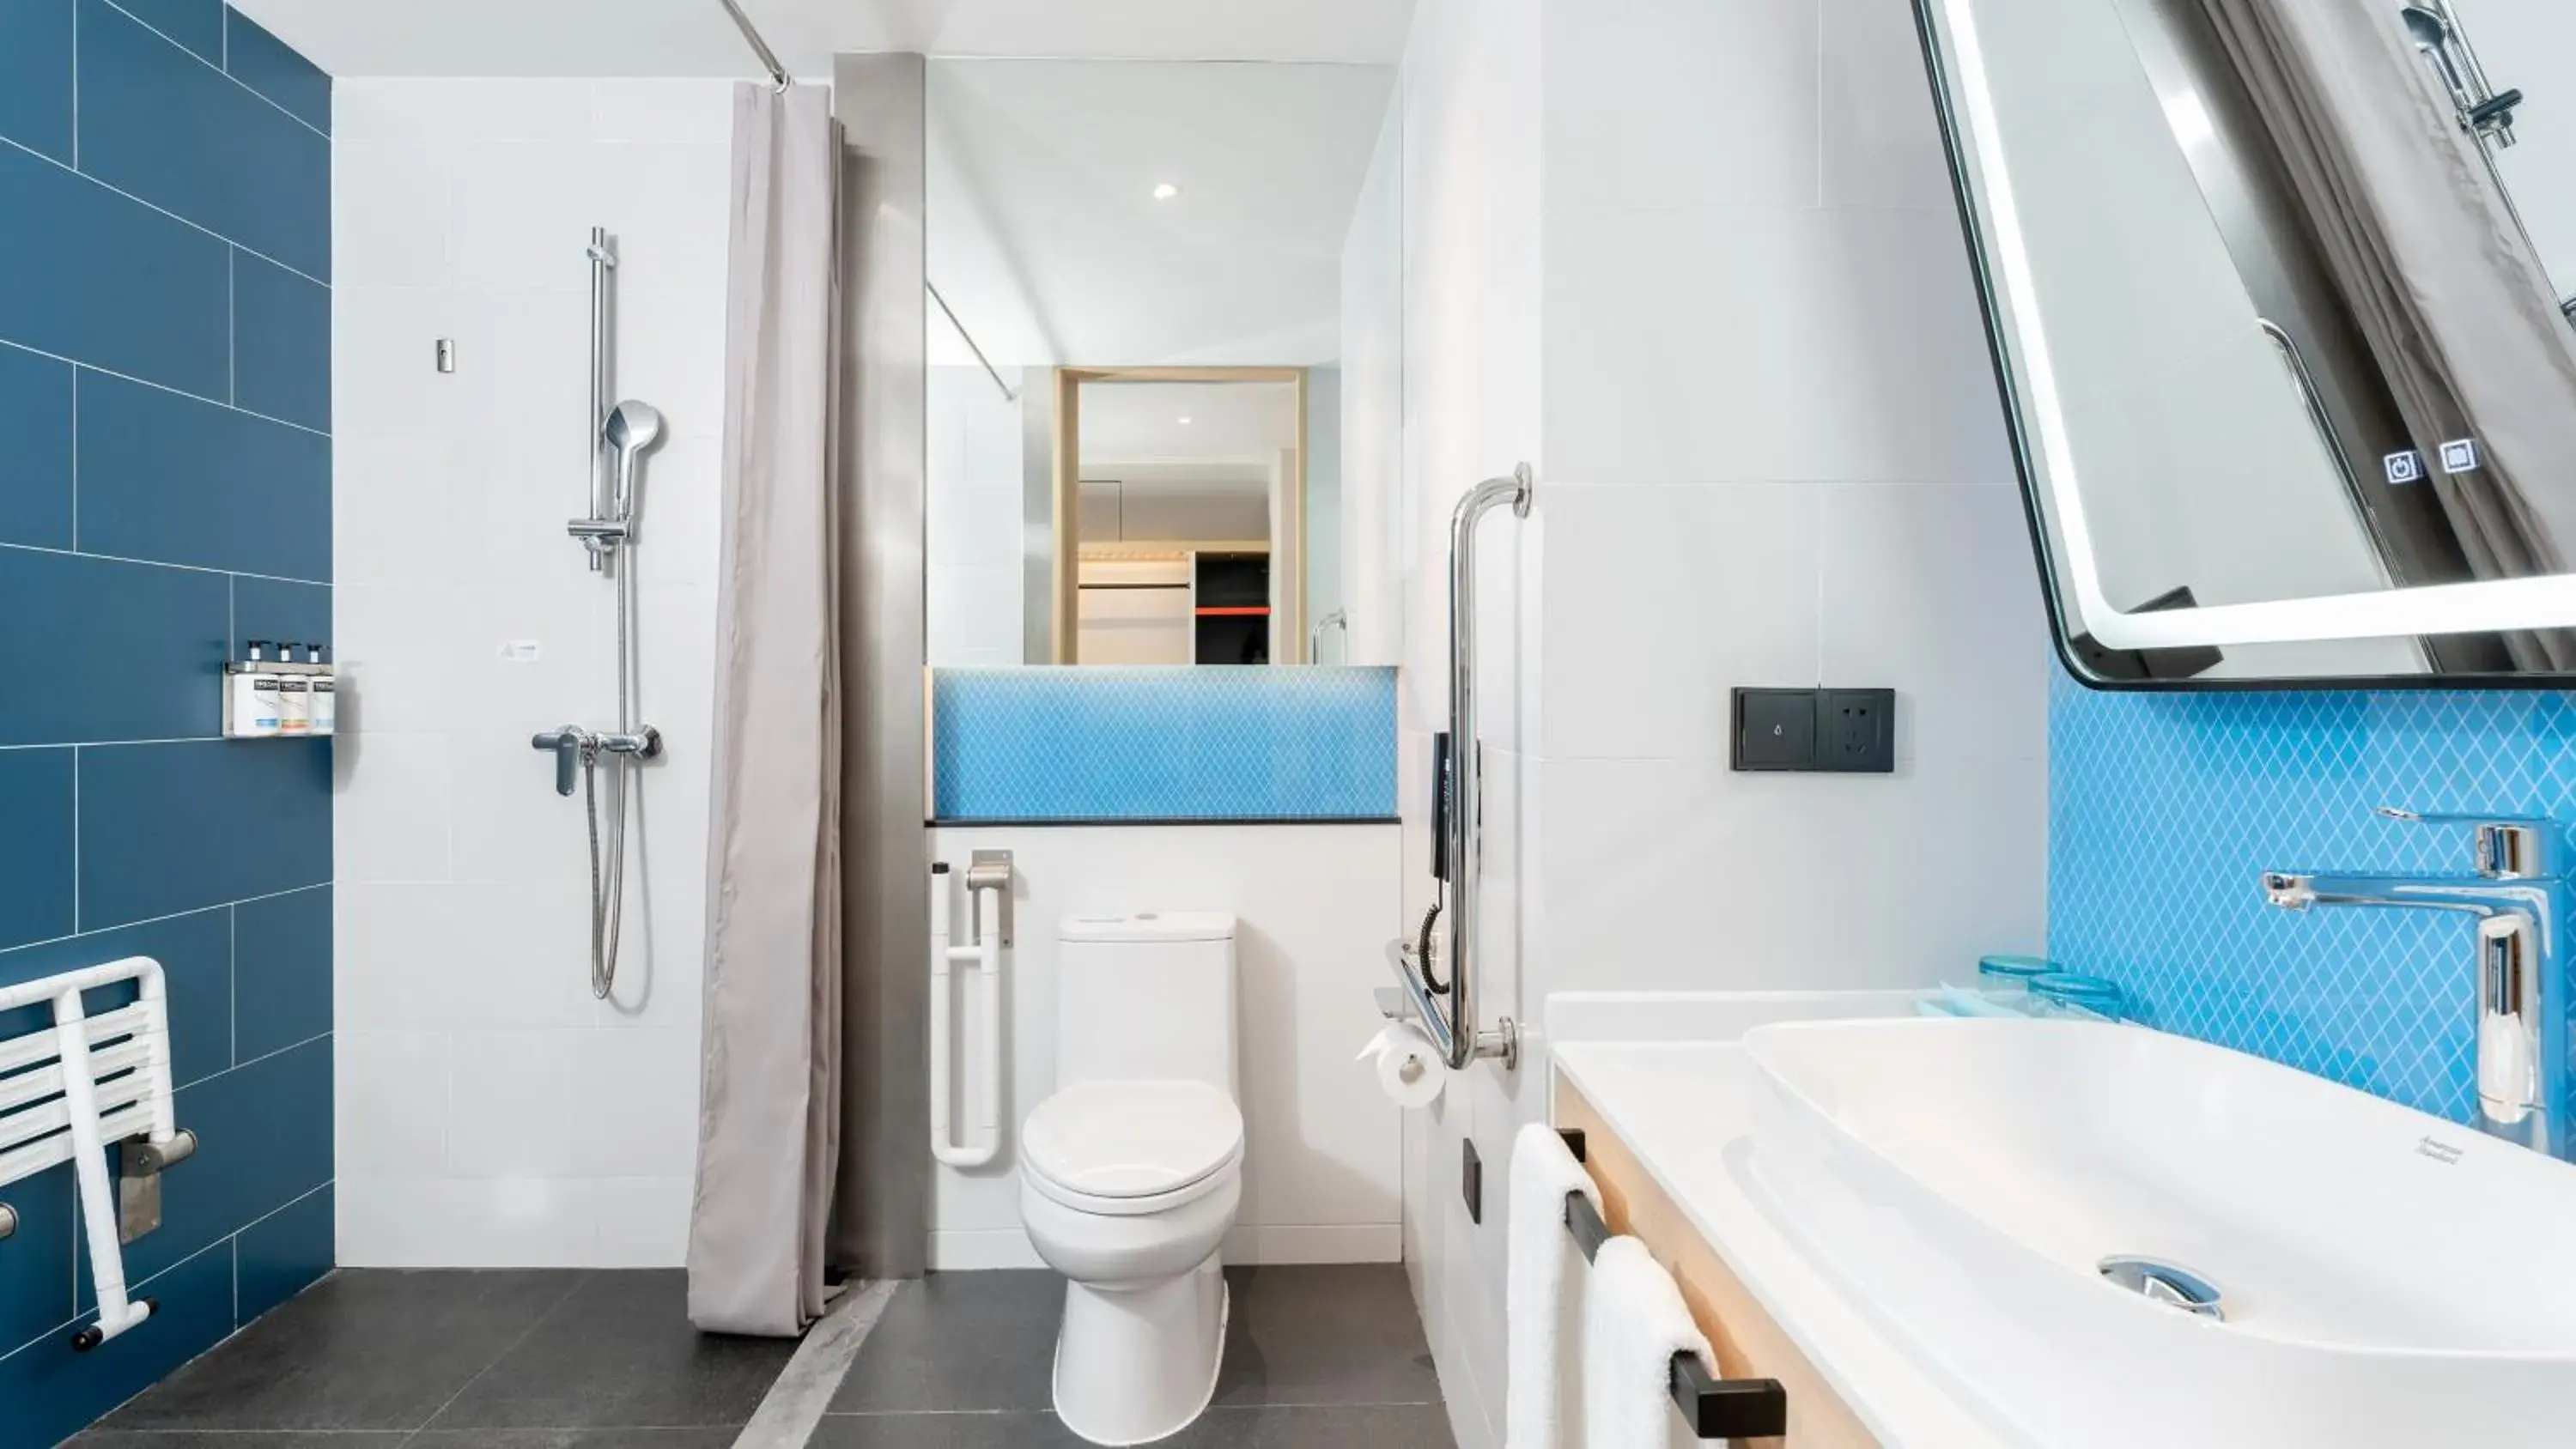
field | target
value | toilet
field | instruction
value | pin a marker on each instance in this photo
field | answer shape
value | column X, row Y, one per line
column 1131, row 1172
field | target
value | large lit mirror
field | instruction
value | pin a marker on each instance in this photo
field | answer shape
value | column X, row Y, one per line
column 1136, row 356
column 2280, row 297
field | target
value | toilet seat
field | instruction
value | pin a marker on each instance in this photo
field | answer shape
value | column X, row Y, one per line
column 1124, row 1149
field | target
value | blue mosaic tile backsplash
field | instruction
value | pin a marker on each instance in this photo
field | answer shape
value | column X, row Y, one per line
column 2163, row 809
column 1204, row 743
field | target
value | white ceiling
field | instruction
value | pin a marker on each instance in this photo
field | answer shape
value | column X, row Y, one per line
column 1045, row 236
column 1229, row 422
column 693, row 37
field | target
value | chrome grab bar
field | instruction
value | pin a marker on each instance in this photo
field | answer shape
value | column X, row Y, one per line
column 1455, row 1032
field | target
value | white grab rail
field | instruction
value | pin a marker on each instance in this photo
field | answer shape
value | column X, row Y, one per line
column 983, row 957
column 96, row 1080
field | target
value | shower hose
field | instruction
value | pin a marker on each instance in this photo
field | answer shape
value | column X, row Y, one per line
column 608, row 868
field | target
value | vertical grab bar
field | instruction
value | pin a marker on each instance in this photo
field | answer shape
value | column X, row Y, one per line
column 1456, row 1032
column 982, row 956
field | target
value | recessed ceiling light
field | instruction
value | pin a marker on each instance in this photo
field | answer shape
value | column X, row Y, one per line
column 1165, row 191
column 1185, row 422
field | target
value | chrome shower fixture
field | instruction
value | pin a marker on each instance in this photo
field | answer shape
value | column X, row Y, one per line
column 2485, row 112
column 619, row 438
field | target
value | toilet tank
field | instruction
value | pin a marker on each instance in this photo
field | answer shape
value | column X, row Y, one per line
column 1146, row 997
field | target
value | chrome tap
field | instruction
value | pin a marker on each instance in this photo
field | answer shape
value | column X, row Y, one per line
column 2518, row 899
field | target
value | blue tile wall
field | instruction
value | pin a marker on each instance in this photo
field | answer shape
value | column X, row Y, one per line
column 1089, row 743
column 2164, row 808
column 165, row 415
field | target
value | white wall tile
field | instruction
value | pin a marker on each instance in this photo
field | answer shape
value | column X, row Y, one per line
column 389, row 212
column 373, row 108
column 464, row 908
column 1933, row 591
column 512, row 1096
column 384, row 379
column 1882, row 141
column 393, row 1117
column 524, row 210
column 433, row 1222
column 1661, row 599
column 397, row 670
column 510, row 825
column 634, row 1102
column 397, row 511
column 394, row 788
column 643, row 1221
column 1857, row 354
column 698, row 111
column 668, row 204
column 1636, row 89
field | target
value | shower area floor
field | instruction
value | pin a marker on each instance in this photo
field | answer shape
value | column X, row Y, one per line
column 375, row 1359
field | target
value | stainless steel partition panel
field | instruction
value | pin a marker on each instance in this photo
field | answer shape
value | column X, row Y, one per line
column 881, row 1218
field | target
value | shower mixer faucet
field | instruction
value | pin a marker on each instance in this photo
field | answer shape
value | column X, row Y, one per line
column 574, row 747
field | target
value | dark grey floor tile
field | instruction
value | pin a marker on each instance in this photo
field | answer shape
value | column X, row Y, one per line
column 972, row 1429
column 619, row 1351
column 1339, row 1334
column 238, row 1439
column 961, row 1341
column 571, row 1439
column 1401, row 1426
column 366, row 1349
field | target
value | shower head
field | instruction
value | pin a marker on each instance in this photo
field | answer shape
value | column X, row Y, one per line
column 632, row 427
column 2432, row 33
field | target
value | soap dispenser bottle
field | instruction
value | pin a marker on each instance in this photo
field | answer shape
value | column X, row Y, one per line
column 324, row 701
column 251, row 692
column 294, row 695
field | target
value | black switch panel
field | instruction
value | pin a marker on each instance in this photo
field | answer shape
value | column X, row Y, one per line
column 1838, row 731
column 1775, row 729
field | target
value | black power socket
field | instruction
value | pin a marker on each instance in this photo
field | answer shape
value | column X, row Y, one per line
column 1835, row 731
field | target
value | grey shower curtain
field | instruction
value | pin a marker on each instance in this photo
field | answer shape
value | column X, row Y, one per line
column 770, row 1085
column 2458, row 311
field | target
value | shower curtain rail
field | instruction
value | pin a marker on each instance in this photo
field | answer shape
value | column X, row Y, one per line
column 759, row 47
column 951, row 314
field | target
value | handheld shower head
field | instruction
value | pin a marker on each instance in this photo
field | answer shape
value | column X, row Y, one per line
column 632, row 428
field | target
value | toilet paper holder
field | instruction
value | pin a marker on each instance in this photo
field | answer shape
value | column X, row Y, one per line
column 989, row 870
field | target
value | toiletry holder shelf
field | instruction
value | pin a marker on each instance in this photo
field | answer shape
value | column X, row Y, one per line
column 235, row 728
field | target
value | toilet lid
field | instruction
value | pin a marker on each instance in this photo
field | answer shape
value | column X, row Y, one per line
column 1132, row 1139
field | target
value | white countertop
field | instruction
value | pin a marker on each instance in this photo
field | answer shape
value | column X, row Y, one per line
column 1685, row 1110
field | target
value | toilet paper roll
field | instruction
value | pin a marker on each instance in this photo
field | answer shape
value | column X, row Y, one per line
column 1409, row 1070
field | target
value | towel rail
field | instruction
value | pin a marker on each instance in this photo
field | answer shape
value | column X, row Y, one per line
column 1715, row 1408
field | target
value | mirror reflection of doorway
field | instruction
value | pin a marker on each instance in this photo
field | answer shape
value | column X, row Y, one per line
column 1180, row 509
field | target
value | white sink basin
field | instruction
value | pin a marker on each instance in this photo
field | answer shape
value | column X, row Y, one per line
column 2389, row 1278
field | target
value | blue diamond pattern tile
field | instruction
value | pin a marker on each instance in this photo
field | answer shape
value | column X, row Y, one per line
column 1206, row 743
column 2163, row 809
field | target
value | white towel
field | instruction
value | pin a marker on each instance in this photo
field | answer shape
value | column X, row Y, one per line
column 1534, row 1297
column 1634, row 1322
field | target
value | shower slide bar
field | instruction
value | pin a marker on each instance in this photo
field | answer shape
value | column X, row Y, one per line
column 74, row 1086
column 990, row 871
column 1458, row 810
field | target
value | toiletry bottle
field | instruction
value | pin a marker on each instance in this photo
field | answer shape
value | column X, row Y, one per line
column 325, row 699
column 258, row 718
column 294, row 696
